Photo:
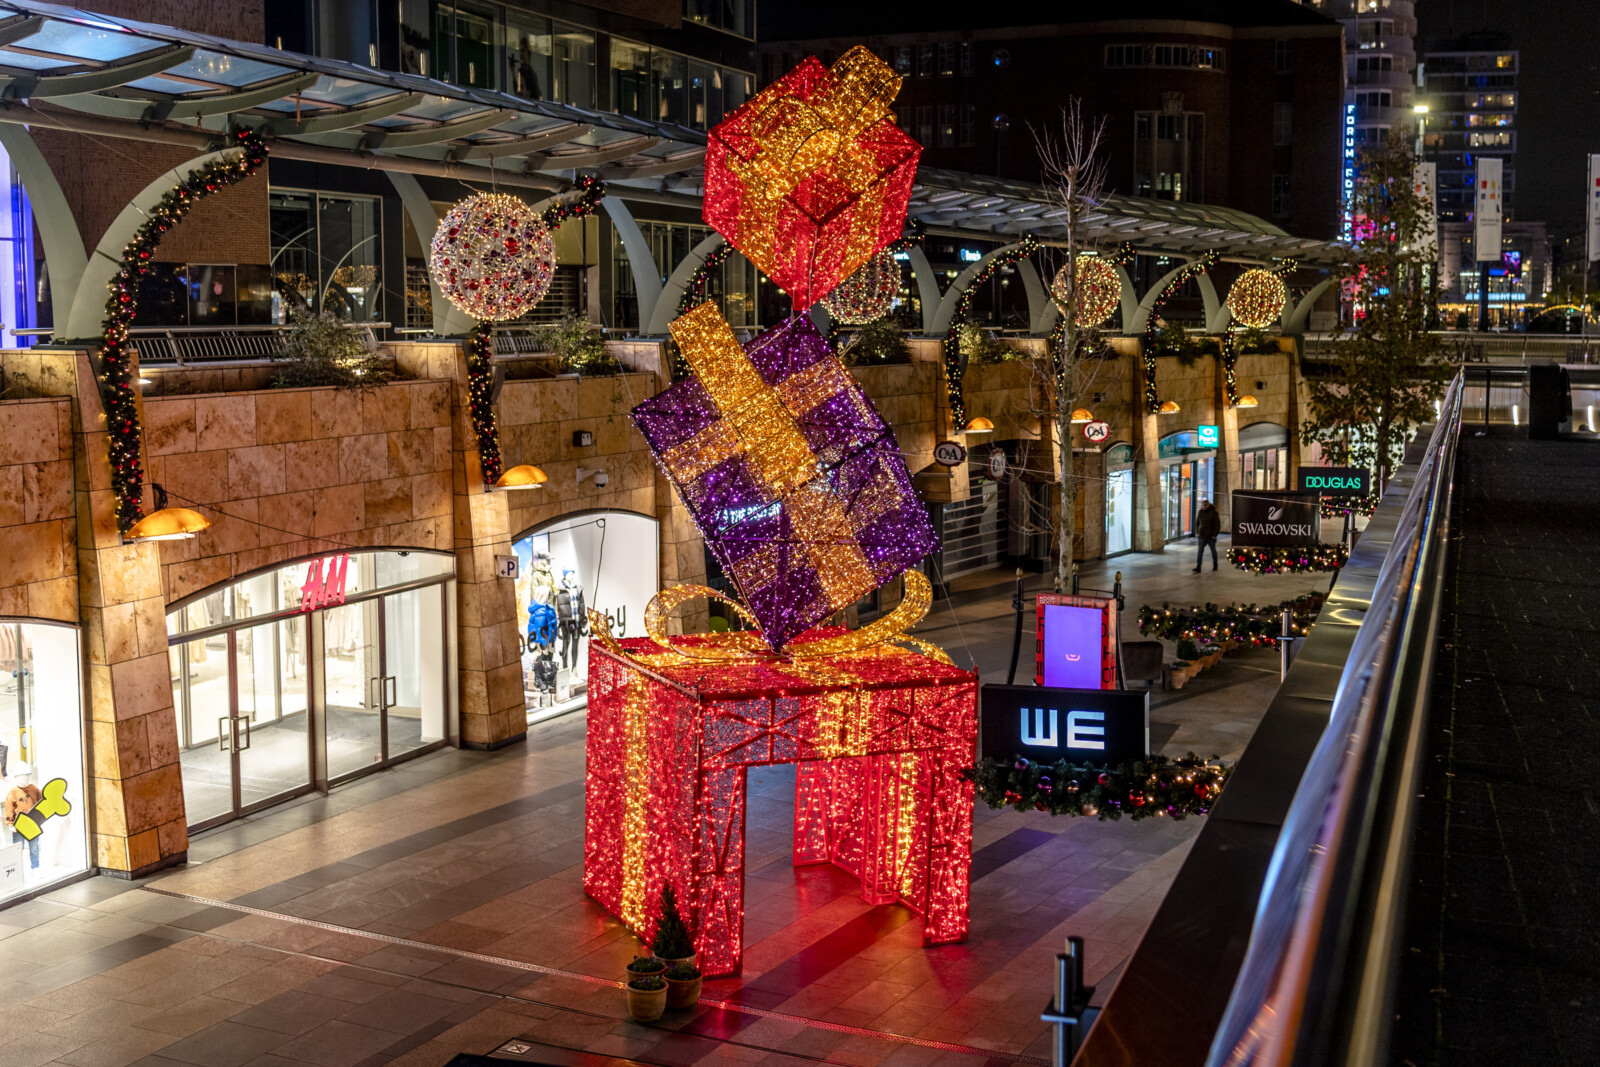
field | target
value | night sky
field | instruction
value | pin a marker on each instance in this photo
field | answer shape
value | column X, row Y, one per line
column 1558, row 112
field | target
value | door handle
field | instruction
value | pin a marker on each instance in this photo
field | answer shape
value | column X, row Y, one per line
column 374, row 692
column 391, row 692
column 246, row 746
column 223, row 731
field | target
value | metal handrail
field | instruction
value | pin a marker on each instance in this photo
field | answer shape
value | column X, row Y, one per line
column 1317, row 982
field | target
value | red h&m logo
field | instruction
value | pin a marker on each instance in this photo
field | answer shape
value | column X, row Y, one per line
column 324, row 586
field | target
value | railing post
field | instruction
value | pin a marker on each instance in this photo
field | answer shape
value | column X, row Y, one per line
column 1285, row 643
column 1069, row 1013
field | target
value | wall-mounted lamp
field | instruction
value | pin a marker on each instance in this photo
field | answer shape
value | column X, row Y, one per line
column 166, row 523
column 522, row 476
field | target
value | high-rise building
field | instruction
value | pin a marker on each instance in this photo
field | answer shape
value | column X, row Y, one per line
column 1470, row 87
column 1381, row 61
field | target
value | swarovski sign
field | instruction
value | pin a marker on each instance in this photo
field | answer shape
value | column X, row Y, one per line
column 1052, row 723
column 1275, row 520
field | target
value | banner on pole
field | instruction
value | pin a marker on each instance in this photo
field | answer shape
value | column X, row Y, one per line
column 1425, row 183
column 1594, row 208
column 1489, row 211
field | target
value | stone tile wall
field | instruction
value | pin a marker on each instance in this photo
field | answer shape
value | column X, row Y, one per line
column 38, row 535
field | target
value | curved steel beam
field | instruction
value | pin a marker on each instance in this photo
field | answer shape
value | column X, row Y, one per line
column 646, row 274
column 1294, row 322
column 927, row 286
column 156, row 108
column 341, row 120
column 669, row 165
column 1042, row 309
column 1141, row 314
column 947, row 306
column 390, row 139
column 58, row 227
column 448, row 320
column 603, row 154
column 45, row 86
column 666, row 308
column 521, row 146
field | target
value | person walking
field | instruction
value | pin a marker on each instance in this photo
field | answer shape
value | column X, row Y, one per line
column 1208, row 524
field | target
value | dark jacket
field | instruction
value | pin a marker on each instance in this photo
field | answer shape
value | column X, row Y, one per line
column 1209, row 524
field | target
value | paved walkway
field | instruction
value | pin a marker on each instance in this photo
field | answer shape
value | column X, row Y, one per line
column 438, row 908
column 1503, row 929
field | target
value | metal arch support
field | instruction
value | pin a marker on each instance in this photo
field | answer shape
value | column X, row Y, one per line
column 947, row 306
column 44, row 86
column 666, row 307
column 158, row 107
column 386, row 140
column 670, row 165
column 521, row 146
column 84, row 320
column 1041, row 308
column 312, row 125
column 448, row 320
column 1130, row 300
column 927, row 286
column 1294, row 322
column 1141, row 315
column 15, row 29
column 58, row 228
column 1217, row 314
column 646, row 274
column 593, row 158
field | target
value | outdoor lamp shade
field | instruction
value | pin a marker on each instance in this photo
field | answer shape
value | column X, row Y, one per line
column 1083, row 415
column 168, row 524
column 1169, row 407
column 978, row 425
column 522, row 476
column 1248, row 401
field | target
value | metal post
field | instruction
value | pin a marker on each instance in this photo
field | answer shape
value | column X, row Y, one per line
column 1116, row 591
column 1069, row 1014
column 1016, row 634
column 1074, row 579
column 1285, row 643
column 1483, row 296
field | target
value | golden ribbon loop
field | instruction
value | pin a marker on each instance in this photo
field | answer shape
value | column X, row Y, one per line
column 749, row 645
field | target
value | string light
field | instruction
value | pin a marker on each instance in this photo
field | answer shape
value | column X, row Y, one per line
column 115, row 380
column 1257, row 298
column 1099, row 290
column 1185, row 274
column 1153, row 787
column 811, row 176
column 793, row 478
column 493, row 257
column 1242, row 623
column 868, row 294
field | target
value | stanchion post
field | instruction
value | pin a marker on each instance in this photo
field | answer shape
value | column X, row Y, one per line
column 1285, row 643
column 1016, row 635
column 1069, row 1014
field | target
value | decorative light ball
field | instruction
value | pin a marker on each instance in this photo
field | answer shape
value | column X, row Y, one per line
column 1257, row 298
column 492, row 257
column 868, row 294
column 1099, row 290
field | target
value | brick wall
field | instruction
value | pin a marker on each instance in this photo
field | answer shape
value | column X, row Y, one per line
column 287, row 473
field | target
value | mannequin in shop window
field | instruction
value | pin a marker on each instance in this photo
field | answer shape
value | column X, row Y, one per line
column 21, row 796
column 570, row 612
column 542, row 624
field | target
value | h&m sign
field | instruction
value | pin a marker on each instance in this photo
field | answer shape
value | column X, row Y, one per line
column 1334, row 481
column 1048, row 723
column 1275, row 520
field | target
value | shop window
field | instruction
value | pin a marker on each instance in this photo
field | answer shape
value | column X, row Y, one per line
column 327, row 255
column 1282, row 123
column 44, row 836
column 603, row 561
column 571, row 65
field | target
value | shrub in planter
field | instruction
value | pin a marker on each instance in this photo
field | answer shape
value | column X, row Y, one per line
column 580, row 347
column 646, row 966
column 673, row 943
column 647, row 998
column 876, row 344
column 326, row 350
column 1188, row 649
column 683, row 985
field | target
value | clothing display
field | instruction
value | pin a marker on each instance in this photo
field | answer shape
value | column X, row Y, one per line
column 541, row 625
column 544, row 673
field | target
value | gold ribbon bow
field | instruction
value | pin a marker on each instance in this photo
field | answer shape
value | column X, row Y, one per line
column 750, row 646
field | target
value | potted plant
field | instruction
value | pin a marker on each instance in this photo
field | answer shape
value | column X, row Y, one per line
column 1189, row 653
column 1178, row 672
column 645, row 967
column 683, row 985
column 673, row 943
column 647, row 998
column 1212, row 653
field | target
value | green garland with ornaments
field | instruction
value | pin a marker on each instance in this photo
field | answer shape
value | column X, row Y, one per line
column 953, row 369
column 1337, row 507
column 1304, row 559
column 1244, row 623
column 1189, row 271
column 1155, row 787
column 480, row 339
column 124, row 435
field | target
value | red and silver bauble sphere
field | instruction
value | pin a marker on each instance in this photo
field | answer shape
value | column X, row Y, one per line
column 1257, row 298
column 1099, row 290
column 493, row 257
column 868, row 294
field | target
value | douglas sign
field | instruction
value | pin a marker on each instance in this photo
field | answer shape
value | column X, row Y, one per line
column 1275, row 520
column 1333, row 481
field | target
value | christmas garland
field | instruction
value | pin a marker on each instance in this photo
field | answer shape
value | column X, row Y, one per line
column 480, row 340
column 1337, row 507
column 124, row 436
column 1297, row 560
column 1244, row 623
column 1154, row 787
column 953, row 371
column 1193, row 269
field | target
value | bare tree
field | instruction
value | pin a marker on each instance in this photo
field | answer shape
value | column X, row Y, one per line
column 1074, row 170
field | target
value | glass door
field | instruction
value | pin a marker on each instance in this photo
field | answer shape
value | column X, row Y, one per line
column 413, row 663
column 354, row 687
column 384, row 684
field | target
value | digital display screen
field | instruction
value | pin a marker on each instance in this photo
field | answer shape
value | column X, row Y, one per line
column 1073, row 645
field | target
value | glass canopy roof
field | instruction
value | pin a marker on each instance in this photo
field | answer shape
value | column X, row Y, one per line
column 157, row 77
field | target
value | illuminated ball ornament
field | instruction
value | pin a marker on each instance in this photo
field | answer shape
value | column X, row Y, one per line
column 1257, row 298
column 1099, row 290
column 492, row 257
column 868, row 294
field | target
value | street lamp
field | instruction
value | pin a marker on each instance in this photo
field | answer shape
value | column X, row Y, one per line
column 1421, row 111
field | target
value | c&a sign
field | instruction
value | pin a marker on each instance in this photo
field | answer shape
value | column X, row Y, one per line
column 1048, row 723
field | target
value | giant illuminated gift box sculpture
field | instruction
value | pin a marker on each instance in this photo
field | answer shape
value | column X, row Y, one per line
column 811, row 176
column 799, row 488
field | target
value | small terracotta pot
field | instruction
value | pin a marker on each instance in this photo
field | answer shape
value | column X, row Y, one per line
column 646, row 1005
column 683, row 994
column 673, row 961
column 659, row 969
